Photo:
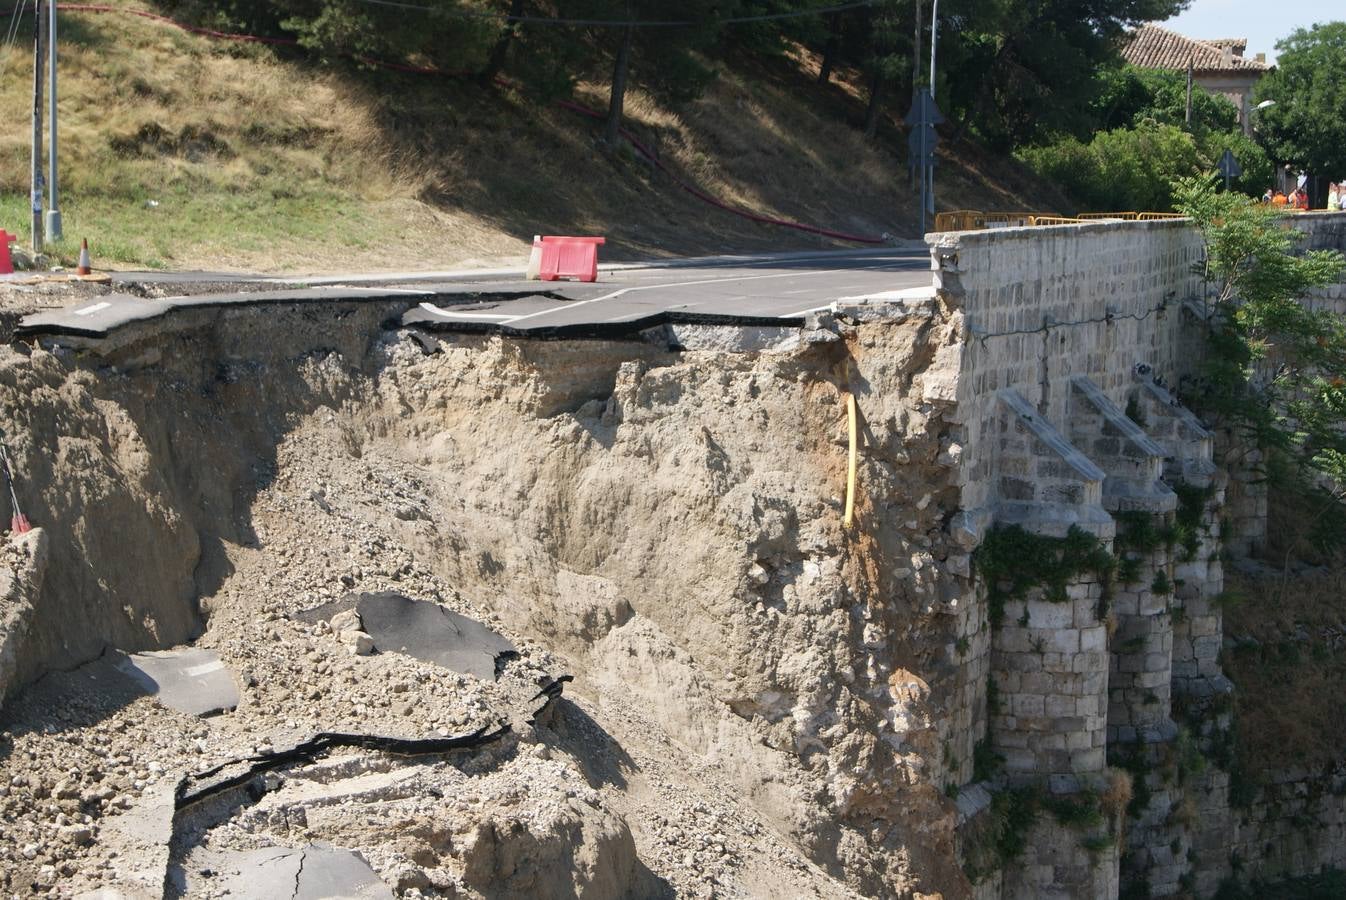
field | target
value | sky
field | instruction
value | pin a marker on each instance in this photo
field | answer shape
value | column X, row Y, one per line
column 1261, row 22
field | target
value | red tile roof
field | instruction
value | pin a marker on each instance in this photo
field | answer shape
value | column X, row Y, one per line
column 1152, row 47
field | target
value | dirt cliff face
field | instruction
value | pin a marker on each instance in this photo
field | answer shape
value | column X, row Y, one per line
column 669, row 524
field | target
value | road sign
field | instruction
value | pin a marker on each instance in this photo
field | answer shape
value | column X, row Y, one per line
column 925, row 110
column 921, row 143
column 1229, row 167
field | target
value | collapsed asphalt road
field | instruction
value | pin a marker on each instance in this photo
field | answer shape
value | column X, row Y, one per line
column 746, row 291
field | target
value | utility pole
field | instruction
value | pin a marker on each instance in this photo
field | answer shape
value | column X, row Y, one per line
column 934, row 35
column 53, row 208
column 37, row 183
column 1188, row 115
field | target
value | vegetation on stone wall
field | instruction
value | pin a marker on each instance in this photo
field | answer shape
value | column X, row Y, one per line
column 1015, row 561
column 1276, row 369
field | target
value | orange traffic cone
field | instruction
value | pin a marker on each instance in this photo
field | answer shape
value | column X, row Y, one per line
column 85, row 267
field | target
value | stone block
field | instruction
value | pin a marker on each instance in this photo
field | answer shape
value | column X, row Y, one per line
column 1152, row 604
column 1079, row 740
column 1156, row 681
column 1126, row 603
column 1059, row 705
column 1038, row 682
column 1130, row 663
column 1027, row 705
column 1089, row 662
column 1013, row 639
column 1056, row 662
column 1094, row 684
column 1018, row 760
column 1059, row 640
column 1068, row 725
column 1206, row 647
column 1093, row 639
column 1022, row 662
column 1043, row 614
column 1204, row 626
column 1086, row 761
column 1093, row 705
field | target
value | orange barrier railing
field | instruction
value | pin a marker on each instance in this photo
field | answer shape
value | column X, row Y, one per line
column 973, row 220
column 960, row 220
column 1010, row 220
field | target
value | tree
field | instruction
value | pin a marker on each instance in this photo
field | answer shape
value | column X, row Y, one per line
column 445, row 33
column 1130, row 96
column 1276, row 369
column 1145, row 144
column 668, row 59
column 1307, row 126
column 1019, row 71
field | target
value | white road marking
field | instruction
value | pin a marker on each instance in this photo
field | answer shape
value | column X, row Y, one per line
column 572, row 305
column 90, row 310
column 431, row 308
column 804, row 312
column 677, row 284
column 382, row 290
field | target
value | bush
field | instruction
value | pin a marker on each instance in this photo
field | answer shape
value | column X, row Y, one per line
column 1134, row 168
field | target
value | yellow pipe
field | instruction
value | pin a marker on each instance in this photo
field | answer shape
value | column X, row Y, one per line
column 850, row 470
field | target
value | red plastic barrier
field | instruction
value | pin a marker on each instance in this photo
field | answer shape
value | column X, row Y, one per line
column 570, row 257
column 6, row 263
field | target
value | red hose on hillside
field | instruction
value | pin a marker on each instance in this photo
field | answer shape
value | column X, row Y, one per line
column 431, row 70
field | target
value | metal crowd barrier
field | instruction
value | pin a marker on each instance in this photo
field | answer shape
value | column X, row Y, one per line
column 974, row 220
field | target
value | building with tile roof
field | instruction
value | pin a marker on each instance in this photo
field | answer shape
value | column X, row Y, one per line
column 1217, row 65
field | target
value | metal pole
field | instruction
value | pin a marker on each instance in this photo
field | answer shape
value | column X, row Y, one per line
column 1187, row 115
column 924, row 176
column 36, row 174
column 54, row 208
column 934, row 34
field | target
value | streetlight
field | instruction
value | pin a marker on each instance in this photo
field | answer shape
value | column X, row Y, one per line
column 1265, row 104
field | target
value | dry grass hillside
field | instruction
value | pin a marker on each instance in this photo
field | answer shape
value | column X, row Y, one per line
column 182, row 151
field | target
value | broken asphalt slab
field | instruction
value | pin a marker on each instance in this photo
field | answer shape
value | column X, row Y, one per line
column 315, row 872
column 187, row 679
column 423, row 630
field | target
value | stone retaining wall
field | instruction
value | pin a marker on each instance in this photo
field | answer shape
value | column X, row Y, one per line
column 1069, row 341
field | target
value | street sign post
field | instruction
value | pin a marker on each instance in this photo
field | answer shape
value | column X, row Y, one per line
column 921, row 143
column 1229, row 167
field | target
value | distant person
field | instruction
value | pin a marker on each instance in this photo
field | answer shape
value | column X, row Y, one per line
column 1279, row 198
column 1266, row 198
column 1299, row 199
column 1333, row 196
